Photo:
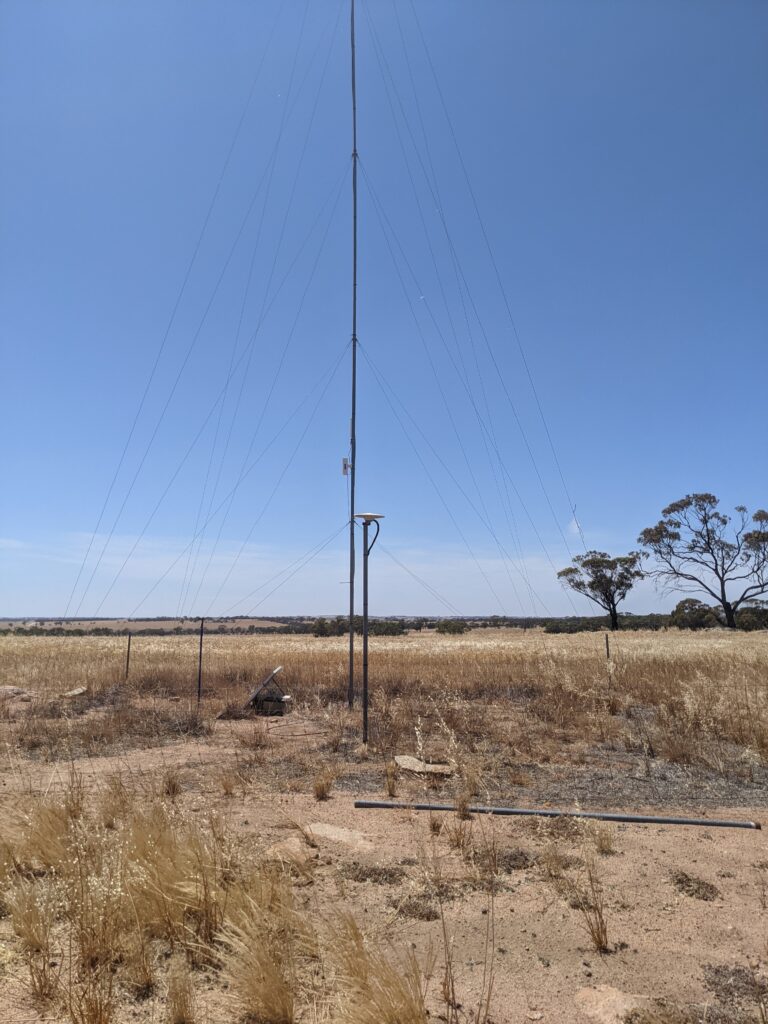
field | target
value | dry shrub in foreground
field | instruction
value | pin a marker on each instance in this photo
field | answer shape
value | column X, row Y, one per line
column 583, row 892
column 104, row 911
column 261, row 980
column 590, row 901
column 33, row 910
column 375, row 989
column 390, row 779
column 323, row 783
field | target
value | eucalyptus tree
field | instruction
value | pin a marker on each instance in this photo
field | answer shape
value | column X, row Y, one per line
column 699, row 549
column 603, row 579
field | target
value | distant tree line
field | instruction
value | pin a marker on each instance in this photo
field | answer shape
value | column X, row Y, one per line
column 689, row 614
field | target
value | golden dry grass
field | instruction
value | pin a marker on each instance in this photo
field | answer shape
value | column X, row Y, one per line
column 689, row 698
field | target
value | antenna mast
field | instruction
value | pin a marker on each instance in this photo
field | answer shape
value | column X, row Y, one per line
column 353, row 419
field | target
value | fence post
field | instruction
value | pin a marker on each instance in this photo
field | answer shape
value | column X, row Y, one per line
column 128, row 656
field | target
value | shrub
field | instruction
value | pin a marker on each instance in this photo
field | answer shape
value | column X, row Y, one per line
column 452, row 627
column 693, row 614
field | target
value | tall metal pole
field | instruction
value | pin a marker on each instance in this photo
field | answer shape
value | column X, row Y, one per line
column 368, row 518
column 366, row 552
column 353, row 420
column 200, row 665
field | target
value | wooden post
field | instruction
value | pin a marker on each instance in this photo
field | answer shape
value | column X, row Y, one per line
column 128, row 657
column 200, row 665
column 607, row 647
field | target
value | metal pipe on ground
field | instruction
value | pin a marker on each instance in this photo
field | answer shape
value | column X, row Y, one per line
column 532, row 812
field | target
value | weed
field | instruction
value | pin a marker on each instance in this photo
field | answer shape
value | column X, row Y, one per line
column 228, row 781
column 180, row 1005
column 471, row 778
column 462, row 806
column 459, row 835
column 762, row 884
column 375, row 989
column 554, row 863
column 137, row 964
column 256, row 738
column 661, row 1011
column 390, row 779
column 171, row 784
column 592, row 906
column 337, row 728
column 603, row 835
column 584, row 894
column 259, row 967
column 33, row 907
column 323, row 784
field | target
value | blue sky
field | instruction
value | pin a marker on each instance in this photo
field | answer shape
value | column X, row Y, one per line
column 174, row 187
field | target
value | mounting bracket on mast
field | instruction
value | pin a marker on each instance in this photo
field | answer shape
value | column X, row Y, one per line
column 346, row 466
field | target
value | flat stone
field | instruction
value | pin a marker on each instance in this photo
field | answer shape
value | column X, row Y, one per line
column 605, row 1004
column 415, row 764
column 77, row 692
column 338, row 834
column 290, row 851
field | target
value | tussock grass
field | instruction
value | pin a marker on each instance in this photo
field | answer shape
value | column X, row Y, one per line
column 133, row 903
column 375, row 989
column 323, row 783
column 390, row 779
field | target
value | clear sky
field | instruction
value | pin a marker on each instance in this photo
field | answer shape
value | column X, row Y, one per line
column 175, row 190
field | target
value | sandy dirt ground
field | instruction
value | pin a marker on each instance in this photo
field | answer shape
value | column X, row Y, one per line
column 685, row 907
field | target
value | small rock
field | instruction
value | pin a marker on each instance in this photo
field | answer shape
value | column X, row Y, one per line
column 605, row 1004
column 419, row 767
column 290, row 851
column 338, row 834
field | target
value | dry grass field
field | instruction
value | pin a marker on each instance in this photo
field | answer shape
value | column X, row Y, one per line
column 164, row 863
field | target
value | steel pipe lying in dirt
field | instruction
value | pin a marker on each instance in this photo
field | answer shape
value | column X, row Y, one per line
column 635, row 819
